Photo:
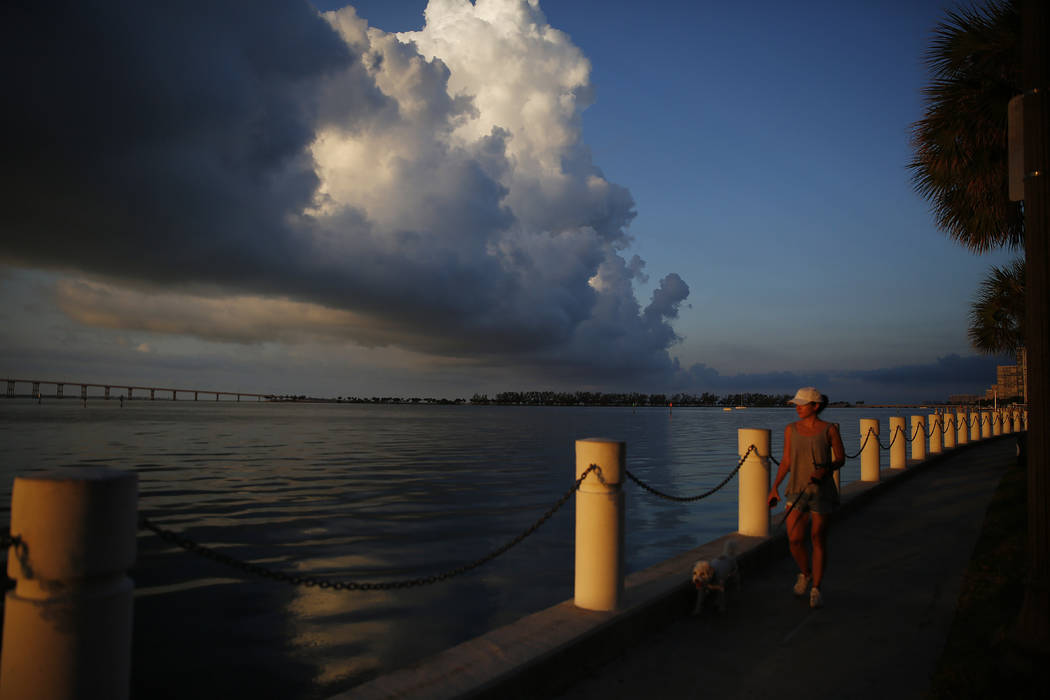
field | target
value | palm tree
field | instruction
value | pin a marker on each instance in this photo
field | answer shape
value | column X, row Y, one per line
column 960, row 162
column 981, row 59
column 997, row 314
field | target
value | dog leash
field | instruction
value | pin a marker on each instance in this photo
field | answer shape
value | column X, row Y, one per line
column 812, row 480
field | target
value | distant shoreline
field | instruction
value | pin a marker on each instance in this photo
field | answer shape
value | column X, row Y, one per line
column 476, row 401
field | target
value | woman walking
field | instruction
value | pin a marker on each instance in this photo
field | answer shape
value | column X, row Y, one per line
column 812, row 452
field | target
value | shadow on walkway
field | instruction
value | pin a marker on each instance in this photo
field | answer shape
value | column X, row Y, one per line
column 894, row 571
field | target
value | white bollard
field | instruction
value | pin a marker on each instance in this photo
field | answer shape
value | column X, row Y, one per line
column 898, row 443
column 962, row 422
column 975, row 426
column 753, row 509
column 986, row 424
column 936, row 430
column 599, row 524
column 869, row 454
column 918, row 435
column 949, row 430
column 68, row 622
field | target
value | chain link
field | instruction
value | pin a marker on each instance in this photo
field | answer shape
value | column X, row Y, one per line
column 867, row 436
column 896, row 433
column 7, row 540
column 309, row 581
column 930, row 430
column 686, row 499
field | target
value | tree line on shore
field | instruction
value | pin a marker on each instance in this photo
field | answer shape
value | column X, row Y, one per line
column 567, row 398
column 595, row 398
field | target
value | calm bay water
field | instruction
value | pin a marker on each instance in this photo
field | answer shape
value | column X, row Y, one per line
column 368, row 493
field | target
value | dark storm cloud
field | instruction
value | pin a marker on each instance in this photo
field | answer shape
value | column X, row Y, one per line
column 950, row 370
column 237, row 148
column 165, row 141
column 933, row 381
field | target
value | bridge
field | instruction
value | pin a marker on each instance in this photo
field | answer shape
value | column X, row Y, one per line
column 59, row 391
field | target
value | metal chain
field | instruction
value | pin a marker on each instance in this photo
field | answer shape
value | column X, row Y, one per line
column 7, row 540
column 310, row 581
column 867, row 436
column 896, row 432
column 685, row 499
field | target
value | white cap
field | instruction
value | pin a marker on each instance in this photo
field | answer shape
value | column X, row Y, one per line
column 807, row 394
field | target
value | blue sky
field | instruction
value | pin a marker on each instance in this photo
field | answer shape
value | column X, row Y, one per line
column 752, row 155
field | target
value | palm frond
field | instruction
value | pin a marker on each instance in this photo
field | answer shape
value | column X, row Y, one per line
column 997, row 314
column 960, row 158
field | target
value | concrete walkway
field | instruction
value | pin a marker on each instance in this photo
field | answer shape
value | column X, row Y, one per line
column 895, row 568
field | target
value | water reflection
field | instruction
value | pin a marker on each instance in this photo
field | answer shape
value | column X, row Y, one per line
column 368, row 493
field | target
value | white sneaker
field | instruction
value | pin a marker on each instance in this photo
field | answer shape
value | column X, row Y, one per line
column 815, row 599
column 801, row 584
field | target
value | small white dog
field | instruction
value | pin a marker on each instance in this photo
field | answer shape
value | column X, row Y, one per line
column 716, row 576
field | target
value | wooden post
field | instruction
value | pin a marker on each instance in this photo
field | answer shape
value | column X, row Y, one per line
column 67, row 623
column 918, row 436
column 936, row 433
column 599, row 525
column 898, row 443
column 753, row 508
column 869, row 455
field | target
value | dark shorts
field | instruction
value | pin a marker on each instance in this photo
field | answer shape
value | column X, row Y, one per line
column 811, row 502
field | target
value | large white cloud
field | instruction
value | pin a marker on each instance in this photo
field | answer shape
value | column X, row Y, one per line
column 430, row 190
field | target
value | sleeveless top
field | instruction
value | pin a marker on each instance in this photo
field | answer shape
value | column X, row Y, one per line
column 806, row 451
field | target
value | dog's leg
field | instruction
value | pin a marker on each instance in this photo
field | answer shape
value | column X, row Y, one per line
column 699, row 601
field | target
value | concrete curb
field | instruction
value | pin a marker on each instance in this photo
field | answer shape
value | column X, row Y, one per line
column 544, row 652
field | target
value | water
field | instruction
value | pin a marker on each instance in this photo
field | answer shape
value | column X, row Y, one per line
column 368, row 493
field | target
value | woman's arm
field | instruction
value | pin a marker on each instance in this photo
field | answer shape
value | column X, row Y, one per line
column 785, row 467
column 838, row 452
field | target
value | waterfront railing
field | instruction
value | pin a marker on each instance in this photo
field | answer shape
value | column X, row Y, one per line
column 68, row 621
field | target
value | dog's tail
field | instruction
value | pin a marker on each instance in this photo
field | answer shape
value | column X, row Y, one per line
column 729, row 549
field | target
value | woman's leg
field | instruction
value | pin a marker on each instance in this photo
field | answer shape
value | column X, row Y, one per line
column 820, row 550
column 797, row 523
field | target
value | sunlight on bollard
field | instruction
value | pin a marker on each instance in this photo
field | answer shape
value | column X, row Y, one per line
column 949, row 430
column 918, row 435
column 753, row 507
column 986, row 424
column 975, row 426
column 935, row 429
column 899, row 442
column 961, row 422
column 68, row 622
column 997, row 422
column 599, row 525
column 869, row 456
